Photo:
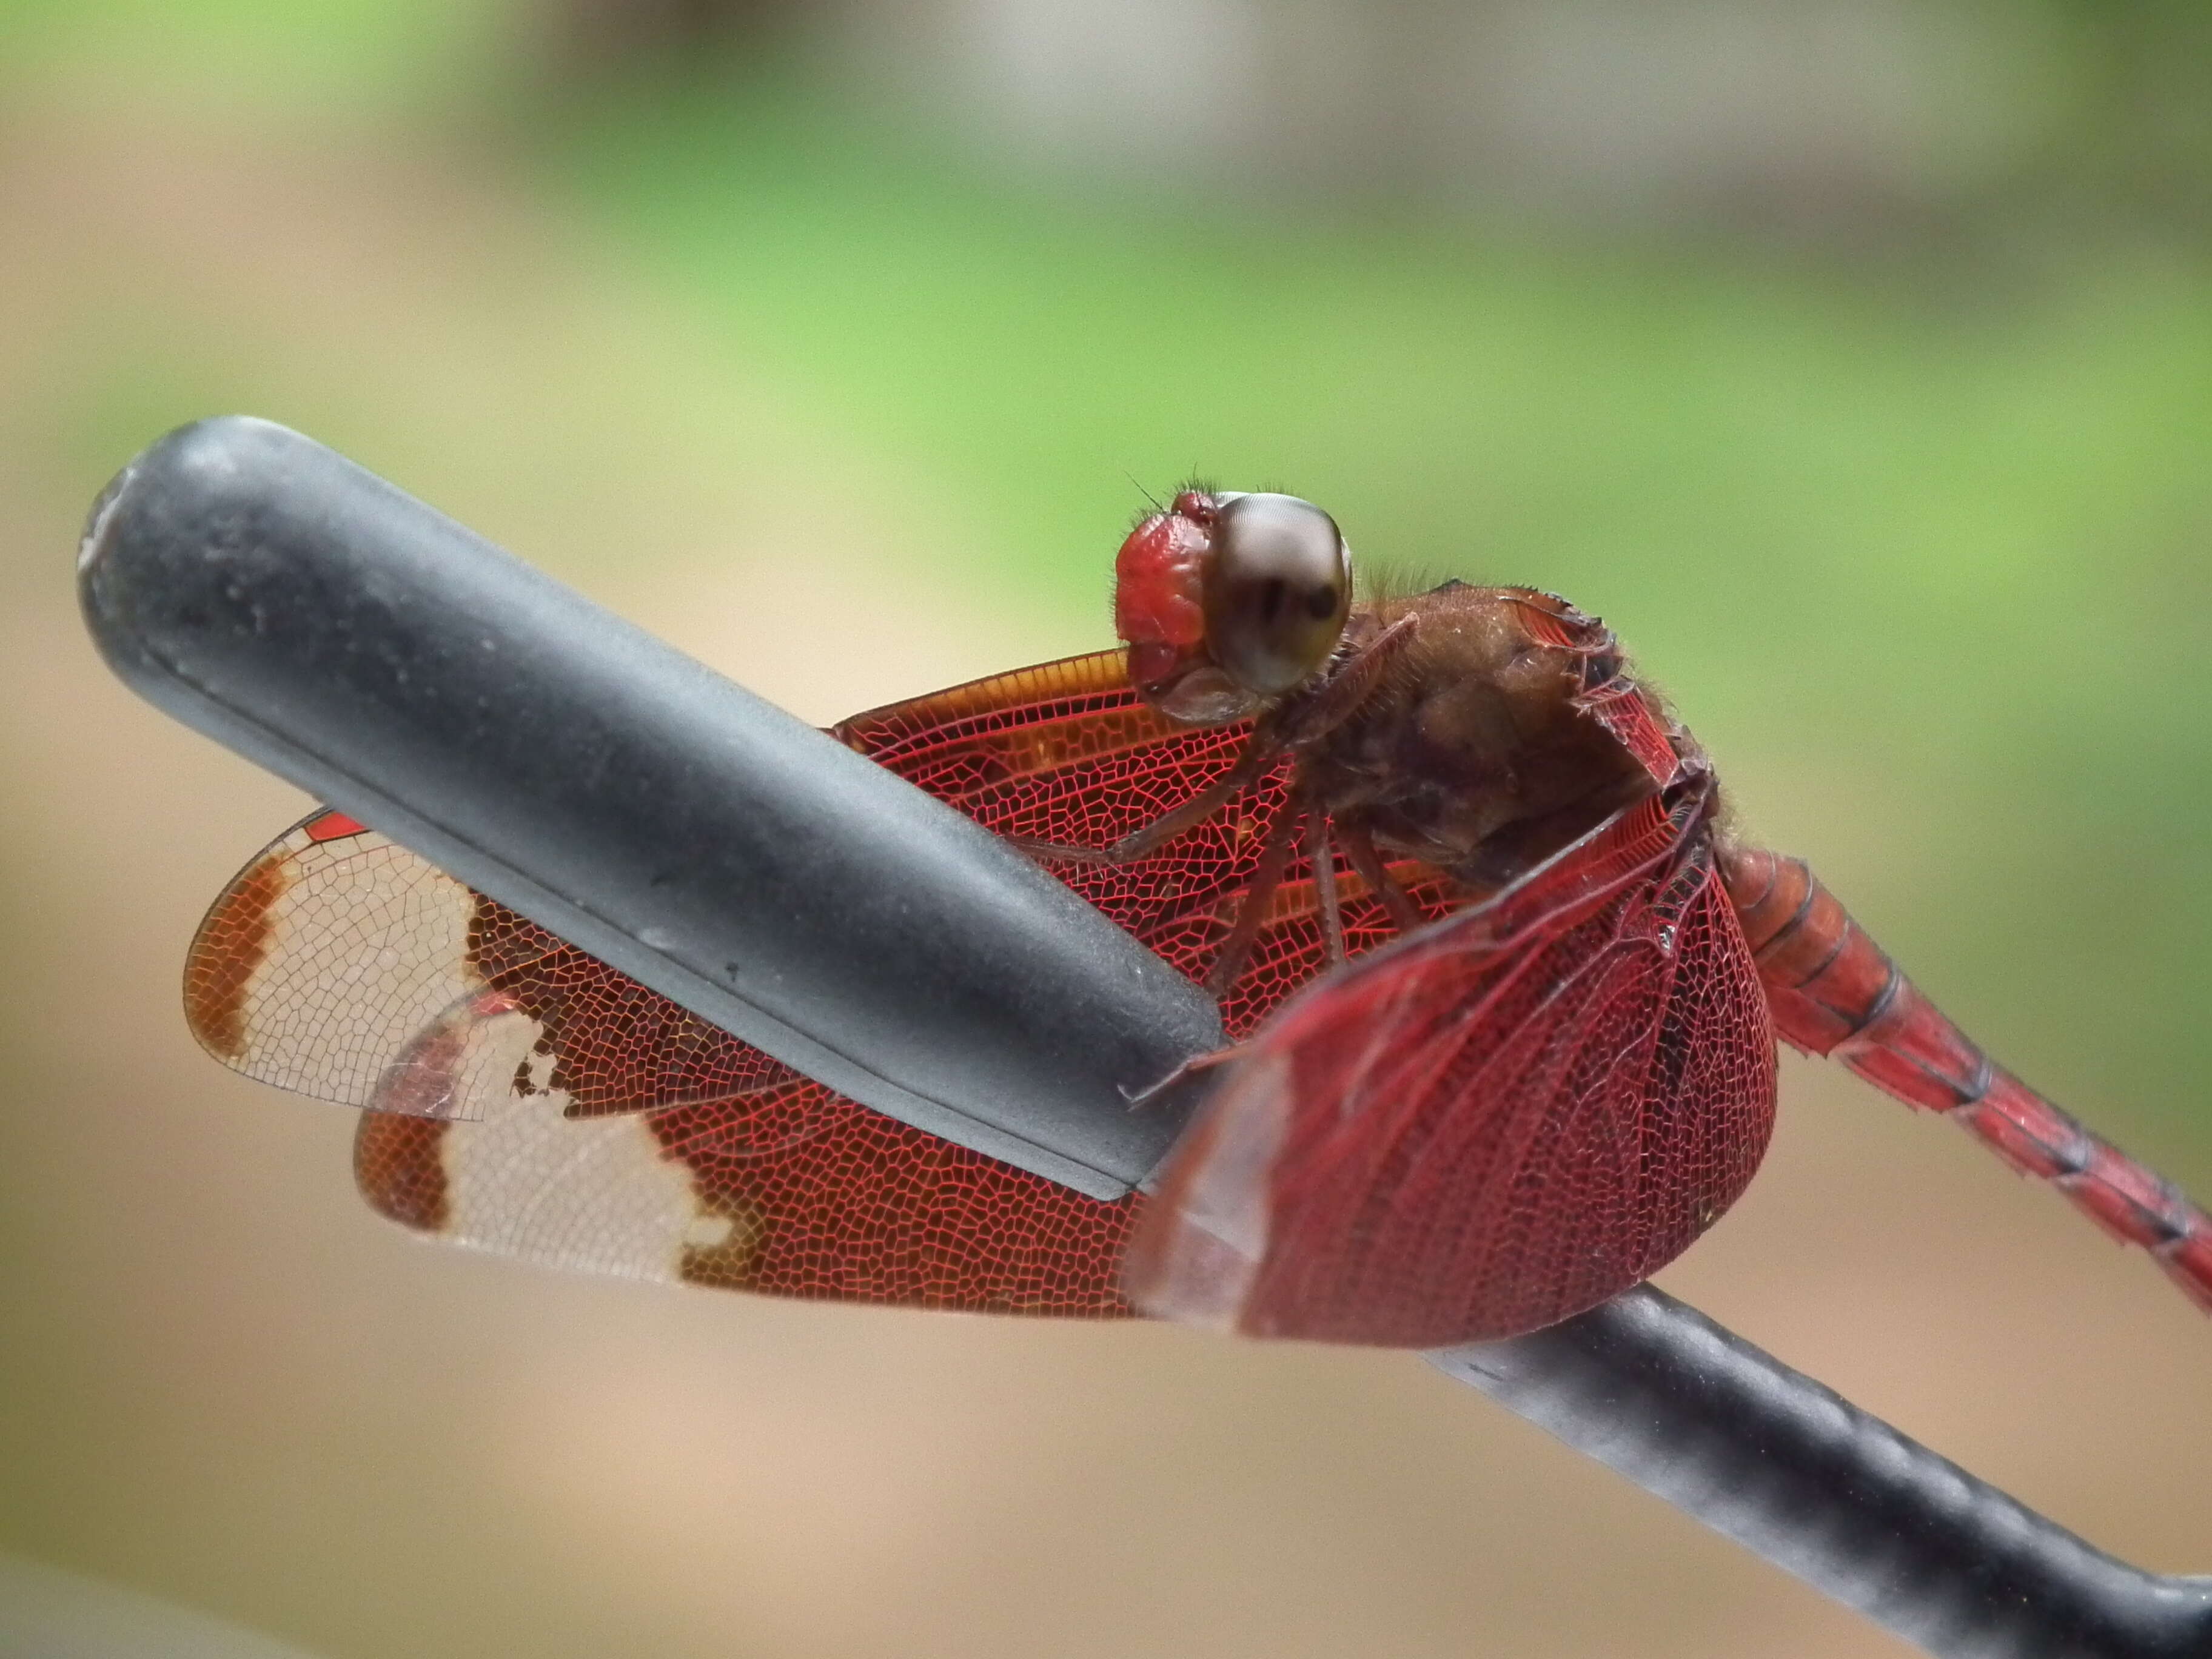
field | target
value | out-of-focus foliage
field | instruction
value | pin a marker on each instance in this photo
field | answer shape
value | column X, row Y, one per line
column 334, row 58
column 1861, row 127
column 2137, row 139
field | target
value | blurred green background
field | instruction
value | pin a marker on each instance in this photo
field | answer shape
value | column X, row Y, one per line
column 1853, row 359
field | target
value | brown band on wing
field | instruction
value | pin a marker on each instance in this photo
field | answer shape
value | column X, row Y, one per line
column 231, row 943
column 799, row 1192
column 399, row 1164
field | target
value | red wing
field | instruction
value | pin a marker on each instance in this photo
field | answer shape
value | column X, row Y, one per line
column 525, row 1097
column 1504, row 1119
column 1067, row 753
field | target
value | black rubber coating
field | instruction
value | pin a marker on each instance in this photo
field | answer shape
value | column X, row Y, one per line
column 346, row 636
column 1795, row 1473
column 270, row 593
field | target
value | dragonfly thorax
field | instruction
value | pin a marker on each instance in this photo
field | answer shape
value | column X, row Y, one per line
column 1473, row 752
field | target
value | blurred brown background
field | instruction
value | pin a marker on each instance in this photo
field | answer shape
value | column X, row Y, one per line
column 1854, row 359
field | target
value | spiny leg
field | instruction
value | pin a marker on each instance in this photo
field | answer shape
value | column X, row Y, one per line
column 1325, row 707
column 1266, row 876
column 1349, row 683
column 1323, row 856
column 1334, row 702
column 1359, row 847
column 1141, row 1098
column 1259, row 753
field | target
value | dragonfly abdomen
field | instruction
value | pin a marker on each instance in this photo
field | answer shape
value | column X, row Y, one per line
column 1831, row 991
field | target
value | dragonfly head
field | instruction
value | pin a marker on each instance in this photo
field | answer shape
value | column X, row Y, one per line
column 1229, row 600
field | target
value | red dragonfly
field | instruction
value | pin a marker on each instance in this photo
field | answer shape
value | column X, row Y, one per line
column 1503, row 991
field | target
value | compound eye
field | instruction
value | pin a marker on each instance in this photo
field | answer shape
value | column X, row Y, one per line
column 1277, row 590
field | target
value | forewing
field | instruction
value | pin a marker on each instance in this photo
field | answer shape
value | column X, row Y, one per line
column 342, row 966
column 527, row 1097
column 1067, row 753
column 1498, row 1123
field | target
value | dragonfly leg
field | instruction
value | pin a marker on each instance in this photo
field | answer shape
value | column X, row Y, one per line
column 1321, row 855
column 1266, row 876
column 1141, row 1098
column 1299, row 721
column 1259, row 751
column 1329, row 704
column 1359, row 847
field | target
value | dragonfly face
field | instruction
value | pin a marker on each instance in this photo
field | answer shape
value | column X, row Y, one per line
column 1229, row 600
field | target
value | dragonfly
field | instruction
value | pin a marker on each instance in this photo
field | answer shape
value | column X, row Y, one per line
column 1502, row 986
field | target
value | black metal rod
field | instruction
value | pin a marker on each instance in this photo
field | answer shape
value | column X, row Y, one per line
column 280, row 600
column 317, row 620
column 1797, row 1474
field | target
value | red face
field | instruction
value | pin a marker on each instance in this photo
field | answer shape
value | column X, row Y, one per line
column 1228, row 601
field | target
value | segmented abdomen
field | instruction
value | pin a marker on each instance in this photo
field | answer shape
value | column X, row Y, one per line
column 1832, row 991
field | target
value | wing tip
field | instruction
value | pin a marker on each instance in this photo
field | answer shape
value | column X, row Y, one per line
column 400, row 1165
column 231, row 943
column 234, row 936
